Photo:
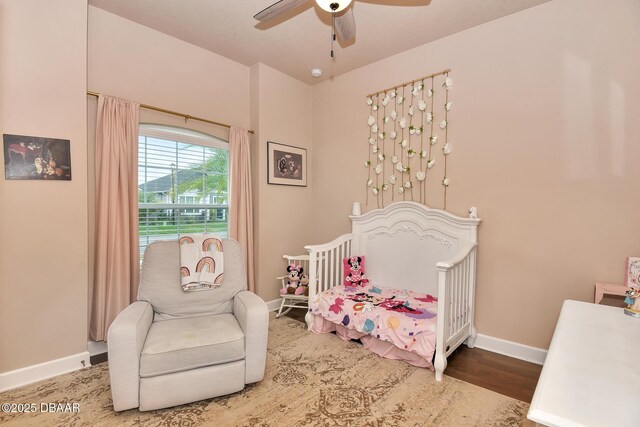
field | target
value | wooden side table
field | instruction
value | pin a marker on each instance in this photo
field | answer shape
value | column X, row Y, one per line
column 609, row 289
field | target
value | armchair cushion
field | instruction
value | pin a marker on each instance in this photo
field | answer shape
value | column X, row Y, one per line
column 182, row 344
column 160, row 282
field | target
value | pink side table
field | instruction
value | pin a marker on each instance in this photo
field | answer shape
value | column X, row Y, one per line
column 609, row 289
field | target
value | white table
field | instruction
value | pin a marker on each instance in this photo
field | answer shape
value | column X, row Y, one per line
column 591, row 376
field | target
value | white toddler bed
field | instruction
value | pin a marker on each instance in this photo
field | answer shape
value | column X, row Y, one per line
column 416, row 249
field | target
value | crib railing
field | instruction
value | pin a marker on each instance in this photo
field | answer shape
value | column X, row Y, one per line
column 456, row 293
column 325, row 265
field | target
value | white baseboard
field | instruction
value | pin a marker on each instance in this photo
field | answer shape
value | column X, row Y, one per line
column 274, row 304
column 96, row 347
column 511, row 349
column 42, row 371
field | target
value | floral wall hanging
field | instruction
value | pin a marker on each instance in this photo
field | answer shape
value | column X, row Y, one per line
column 409, row 139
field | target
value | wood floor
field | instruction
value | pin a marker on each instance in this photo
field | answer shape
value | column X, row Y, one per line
column 502, row 374
column 505, row 375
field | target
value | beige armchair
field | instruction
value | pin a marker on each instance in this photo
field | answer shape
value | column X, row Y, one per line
column 172, row 347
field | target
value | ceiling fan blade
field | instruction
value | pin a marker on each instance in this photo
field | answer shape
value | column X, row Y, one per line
column 346, row 25
column 278, row 8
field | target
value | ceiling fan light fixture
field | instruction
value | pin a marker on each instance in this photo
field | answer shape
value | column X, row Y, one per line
column 334, row 6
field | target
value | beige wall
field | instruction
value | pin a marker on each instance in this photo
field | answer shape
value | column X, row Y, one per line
column 134, row 62
column 281, row 112
column 43, row 225
column 546, row 140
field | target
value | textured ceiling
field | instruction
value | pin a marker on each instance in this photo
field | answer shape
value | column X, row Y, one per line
column 300, row 40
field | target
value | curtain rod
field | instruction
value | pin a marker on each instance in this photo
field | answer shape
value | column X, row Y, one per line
column 410, row 83
column 175, row 113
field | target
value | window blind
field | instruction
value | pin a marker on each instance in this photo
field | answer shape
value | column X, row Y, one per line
column 182, row 187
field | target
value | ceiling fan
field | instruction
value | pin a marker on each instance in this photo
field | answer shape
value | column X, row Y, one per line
column 344, row 24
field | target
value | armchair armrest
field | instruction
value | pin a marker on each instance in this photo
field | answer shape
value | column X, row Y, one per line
column 125, row 339
column 253, row 316
column 283, row 280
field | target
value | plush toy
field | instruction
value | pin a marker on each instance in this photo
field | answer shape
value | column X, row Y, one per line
column 293, row 284
column 304, row 284
column 354, row 271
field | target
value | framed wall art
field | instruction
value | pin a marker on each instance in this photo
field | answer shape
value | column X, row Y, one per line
column 32, row 157
column 287, row 165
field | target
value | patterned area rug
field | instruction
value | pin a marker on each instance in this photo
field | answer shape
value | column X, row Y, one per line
column 311, row 380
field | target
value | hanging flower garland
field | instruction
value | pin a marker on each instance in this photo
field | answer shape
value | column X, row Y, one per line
column 421, row 175
column 403, row 144
column 371, row 121
column 433, row 139
column 401, row 117
column 394, row 136
column 378, row 135
column 446, row 149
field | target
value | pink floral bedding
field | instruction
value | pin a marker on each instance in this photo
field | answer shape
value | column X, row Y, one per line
column 404, row 318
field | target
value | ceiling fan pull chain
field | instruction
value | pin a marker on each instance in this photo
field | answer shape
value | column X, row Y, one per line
column 333, row 31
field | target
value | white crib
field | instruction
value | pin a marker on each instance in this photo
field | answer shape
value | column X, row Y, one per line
column 411, row 246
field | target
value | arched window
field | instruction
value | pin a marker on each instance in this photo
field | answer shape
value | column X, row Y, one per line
column 183, row 183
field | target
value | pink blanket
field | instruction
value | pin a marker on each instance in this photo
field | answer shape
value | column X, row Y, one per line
column 403, row 318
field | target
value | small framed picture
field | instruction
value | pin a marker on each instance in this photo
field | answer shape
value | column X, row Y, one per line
column 33, row 157
column 632, row 276
column 287, row 165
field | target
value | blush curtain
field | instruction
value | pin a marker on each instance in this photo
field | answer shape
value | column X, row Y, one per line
column 241, row 205
column 117, row 260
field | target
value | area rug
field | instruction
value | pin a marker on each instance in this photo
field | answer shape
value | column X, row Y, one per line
column 310, row 380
